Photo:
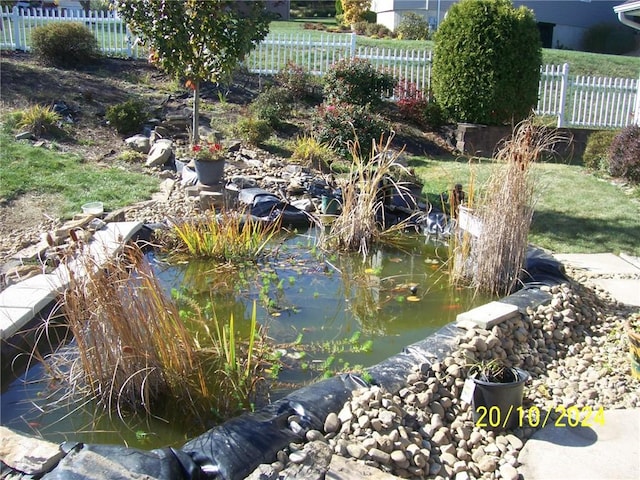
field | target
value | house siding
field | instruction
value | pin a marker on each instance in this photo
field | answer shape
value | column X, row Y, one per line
column 571, row 18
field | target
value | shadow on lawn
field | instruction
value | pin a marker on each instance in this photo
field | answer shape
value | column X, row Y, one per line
column 606, row 235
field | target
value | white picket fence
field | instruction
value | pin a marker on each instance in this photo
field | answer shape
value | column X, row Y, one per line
column 580, row 101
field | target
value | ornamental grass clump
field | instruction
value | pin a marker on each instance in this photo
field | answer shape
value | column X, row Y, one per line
column 228, row 236
column 364, row 193
column 495, row 259
column 138, row 350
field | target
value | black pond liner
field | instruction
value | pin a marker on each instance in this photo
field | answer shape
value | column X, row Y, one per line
column 234, row 449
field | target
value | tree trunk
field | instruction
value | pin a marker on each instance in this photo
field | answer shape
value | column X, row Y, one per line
column 195, row 135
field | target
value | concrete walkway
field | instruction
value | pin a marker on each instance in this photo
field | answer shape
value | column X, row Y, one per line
column 606, row 450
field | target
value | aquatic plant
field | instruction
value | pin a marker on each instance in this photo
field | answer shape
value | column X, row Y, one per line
column 494, row 260
column 227, row 236
column 138, row 350
column 364, row 193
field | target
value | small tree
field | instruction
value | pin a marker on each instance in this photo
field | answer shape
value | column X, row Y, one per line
column 195, row 39
column 487, row 60
column 354, row 11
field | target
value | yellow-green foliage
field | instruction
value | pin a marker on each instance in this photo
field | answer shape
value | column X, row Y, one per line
column 38, row 120
column 312, row 152
column 354, row 10
column 228, row 236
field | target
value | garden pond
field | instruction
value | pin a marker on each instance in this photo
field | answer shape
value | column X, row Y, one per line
column 324, row 313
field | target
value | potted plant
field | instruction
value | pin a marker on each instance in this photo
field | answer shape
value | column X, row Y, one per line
column 632, row 327
column 209, row 161
column 495, row 392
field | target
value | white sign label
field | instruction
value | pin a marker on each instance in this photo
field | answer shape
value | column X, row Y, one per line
column 467, row 391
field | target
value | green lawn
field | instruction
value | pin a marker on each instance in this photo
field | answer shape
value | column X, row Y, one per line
column 575, row 211
column 25, row 169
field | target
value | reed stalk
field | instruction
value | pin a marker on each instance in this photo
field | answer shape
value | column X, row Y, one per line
column 361, row 223
column 493, row 262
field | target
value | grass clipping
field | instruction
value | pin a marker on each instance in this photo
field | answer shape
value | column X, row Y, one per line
column 498, row 254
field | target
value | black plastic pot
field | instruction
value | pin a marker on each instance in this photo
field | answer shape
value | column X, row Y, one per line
column 495, row 405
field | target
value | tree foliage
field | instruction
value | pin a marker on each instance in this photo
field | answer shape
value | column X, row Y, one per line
column 354, row 10
column 195, row 39
column 487, row 60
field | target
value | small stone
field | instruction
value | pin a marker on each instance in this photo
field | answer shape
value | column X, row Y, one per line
column 379, row 456
column 332, row 423
column 508, row 472
column 514, row 441
column 487, row 464
column 298, row 457
column 356, row 450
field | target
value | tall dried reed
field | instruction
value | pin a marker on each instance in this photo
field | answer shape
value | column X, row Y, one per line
column 364, row 193
column 496, row 258
column 138, row 351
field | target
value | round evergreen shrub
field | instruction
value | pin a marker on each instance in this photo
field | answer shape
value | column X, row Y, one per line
column 486, row 64
column 357, row 82
column 64, row 44
column 413, row 27
column 596, row 151
column 609, row 38
column 341, row 124
column 127, row 117
column 624, row 154
column 252, row 130
column 272, row 105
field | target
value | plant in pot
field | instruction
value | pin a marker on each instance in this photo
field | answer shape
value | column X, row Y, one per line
column 495, row 392
column 209, row 161
column 632, row 327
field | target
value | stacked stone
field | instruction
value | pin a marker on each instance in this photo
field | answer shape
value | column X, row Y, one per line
column 573, row 347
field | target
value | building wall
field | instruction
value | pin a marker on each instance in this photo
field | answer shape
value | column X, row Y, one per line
column 570, row 18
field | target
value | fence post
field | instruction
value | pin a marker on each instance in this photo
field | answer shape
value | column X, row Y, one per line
column 15, row 27
column 636, row 111
column 564, row 83
column 353, row 44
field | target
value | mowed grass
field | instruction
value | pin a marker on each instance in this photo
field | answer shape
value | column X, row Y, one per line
column 25, row 169
column 575, row 211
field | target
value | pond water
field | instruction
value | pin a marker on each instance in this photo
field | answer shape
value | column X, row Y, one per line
column 325, row 314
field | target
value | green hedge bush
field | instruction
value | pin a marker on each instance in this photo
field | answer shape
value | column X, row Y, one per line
column 63, row 44
column 273, row 104
column 413, row 27
column 341, row 124
column 486, row 64
column 127, row 117
column 596, row 151
column 357, row 82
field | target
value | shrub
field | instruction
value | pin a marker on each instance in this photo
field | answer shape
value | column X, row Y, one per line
column 487, row 60
column 295, row 80
column 272, row 105
column 64, row 44
column 609, row 38
column 38, row 120
column 413, row 27
column 253, row 130
column 597, row 150
column 127, row 117
column 377, row 30
column 356, row 81
column 343, row 123
column 624, row 155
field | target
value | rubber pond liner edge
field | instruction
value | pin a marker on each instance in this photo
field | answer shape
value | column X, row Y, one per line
column 234, row 449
